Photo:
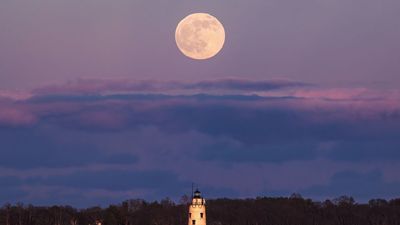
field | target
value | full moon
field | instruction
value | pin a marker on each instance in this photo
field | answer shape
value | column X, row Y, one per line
column 200, row 36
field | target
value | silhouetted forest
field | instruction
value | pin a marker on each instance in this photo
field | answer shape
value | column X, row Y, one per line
column 260, row 211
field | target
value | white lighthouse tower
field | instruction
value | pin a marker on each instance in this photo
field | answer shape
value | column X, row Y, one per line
column 197, row 210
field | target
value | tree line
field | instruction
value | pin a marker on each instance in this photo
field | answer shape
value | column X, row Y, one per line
column 293, row 210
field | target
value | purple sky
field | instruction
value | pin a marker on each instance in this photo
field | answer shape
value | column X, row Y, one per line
column 342, row 42
column 98, row 105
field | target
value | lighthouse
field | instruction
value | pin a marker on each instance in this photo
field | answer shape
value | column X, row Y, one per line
column 197, row 210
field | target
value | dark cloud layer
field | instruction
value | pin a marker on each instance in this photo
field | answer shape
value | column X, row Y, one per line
column 95, row 86
column 359, row 185
column 268, row 152
column 119, row 180
column 158, row 183
column 115, row 146
column 26, row 148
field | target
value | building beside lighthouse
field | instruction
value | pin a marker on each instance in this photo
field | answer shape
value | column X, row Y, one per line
column 197, row 210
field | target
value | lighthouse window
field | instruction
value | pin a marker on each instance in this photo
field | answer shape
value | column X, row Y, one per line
column 194, row 222
column 201, row 215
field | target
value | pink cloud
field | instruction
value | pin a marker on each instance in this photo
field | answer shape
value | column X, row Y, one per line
column 113, row 113
column 332, row 93
column 15, row 94
column 12, row 115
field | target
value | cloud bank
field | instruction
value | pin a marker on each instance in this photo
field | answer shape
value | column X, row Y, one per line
column 125, row 139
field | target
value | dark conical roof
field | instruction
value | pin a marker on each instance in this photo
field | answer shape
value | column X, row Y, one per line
column 197, row 194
